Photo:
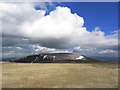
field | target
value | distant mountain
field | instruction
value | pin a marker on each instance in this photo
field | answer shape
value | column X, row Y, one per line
column 55, row 58
column 5, row 59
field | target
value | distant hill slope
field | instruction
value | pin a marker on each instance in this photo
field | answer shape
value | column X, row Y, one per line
column 55, row 58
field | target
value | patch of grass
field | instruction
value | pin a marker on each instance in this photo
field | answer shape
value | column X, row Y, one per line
column 59, row 75
column 105, row 65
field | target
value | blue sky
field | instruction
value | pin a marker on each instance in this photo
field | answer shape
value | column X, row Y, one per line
column 103, row 15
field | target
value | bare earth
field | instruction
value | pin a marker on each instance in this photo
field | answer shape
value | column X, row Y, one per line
column 59, row 75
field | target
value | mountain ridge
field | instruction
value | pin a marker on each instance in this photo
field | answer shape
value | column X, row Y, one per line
column 55, row 58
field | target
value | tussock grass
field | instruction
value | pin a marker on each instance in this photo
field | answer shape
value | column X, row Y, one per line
column 59, row 75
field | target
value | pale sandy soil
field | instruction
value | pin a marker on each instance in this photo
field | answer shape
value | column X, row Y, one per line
column 53, row 75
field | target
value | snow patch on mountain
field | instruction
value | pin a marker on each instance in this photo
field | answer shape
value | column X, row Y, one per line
column 80, row 57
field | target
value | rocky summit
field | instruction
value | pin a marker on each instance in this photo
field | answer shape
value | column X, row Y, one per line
column 54, row 58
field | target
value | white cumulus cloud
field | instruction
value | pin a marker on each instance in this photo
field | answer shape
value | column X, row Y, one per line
column 107, row 51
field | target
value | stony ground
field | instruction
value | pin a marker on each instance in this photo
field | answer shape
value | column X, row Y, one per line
column 59, row 75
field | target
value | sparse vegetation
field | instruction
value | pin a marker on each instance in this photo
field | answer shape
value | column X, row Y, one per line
column 59, row 75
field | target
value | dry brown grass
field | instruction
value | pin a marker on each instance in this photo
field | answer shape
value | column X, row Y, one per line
column 53, row 75
column 0, row 76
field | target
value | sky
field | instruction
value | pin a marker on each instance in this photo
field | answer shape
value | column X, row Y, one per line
column 89, row 28
column 103, row 15
column 94, row 13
